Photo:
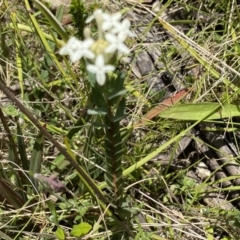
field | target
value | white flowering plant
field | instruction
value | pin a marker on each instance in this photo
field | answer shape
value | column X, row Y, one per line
column 100, row 54
column 107, row 84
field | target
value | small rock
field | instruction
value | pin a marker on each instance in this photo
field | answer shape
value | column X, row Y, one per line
column 202, row 171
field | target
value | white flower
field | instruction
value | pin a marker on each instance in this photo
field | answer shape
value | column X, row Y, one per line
column 96, row 13
column 115, row 43
column 100, row 69
column 77, row 49
column 123, row 29
column 110, row 21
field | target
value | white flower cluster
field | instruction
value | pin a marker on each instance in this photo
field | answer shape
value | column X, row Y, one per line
column 112, row 34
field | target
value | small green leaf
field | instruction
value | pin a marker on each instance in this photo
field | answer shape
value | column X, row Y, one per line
column 198, row 111
column 117, row 93
column 53, row 211
column 98, row 98
column 210, row 232
column 119, row 84
column 60, row 162
column 83, row 118
column 60, row 13
column 98, row 111
column 116, row 82
column 68, row 146
column 60, row 234
column 81, row 229
column 10, row 110
column 120, row 114
column 92, row 79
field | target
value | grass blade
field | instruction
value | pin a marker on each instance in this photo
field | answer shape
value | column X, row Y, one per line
column 8, row 192
column 22, row 149
column 36, row 158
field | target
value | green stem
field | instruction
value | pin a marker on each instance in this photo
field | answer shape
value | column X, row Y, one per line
column 114, row 153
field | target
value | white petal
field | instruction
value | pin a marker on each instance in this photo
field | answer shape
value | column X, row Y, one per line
column 63, row 50
column 76, row 49
column 123, row 29
column 100, row 69
column 99, row 61
column 72, row 43
column 111, row 48
column 75, row 56
column 110, row 37
column 95, row 14
column 101, row 78
column 131, row 34
column 89, row 19
column 106, row 26
column 117, row 16
column 116, row 43
column 109, row 68
column 114, row 17
column 88, row 54
column 92, row 68
column 123, row 48
column 126, row 23
column 87, row 43
column 109, row 21
column 122, row 35
column 106, row 16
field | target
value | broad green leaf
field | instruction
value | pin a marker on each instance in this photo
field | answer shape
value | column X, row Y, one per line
column 60, row 234
column 198, row 111
column 81, row 229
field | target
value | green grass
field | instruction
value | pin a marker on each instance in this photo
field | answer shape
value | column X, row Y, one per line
column 55, row 136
